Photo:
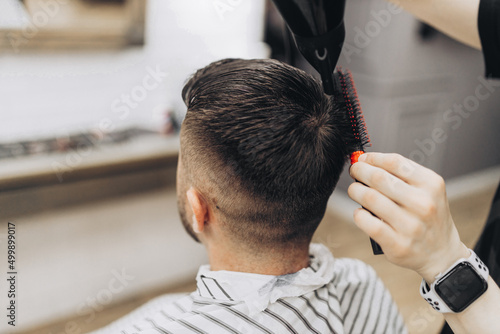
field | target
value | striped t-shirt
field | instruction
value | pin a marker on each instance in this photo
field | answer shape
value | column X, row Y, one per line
column 329, row 296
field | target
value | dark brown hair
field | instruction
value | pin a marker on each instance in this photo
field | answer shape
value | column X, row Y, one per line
column 265, row 145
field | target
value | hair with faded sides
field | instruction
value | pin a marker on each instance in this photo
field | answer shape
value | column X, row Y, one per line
column 265, row 146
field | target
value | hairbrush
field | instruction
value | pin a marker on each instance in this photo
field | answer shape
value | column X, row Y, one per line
column 347, row 97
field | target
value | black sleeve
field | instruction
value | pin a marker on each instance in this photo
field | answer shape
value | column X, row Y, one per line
column 489, row 31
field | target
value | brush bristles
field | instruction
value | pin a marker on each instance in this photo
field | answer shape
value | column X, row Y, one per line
column 353, row 108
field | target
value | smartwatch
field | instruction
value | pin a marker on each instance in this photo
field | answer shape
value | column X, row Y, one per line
column 457, row 287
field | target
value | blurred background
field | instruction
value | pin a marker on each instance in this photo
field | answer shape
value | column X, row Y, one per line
column 89, row 115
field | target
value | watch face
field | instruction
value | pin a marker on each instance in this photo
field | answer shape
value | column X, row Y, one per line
column 460, row 287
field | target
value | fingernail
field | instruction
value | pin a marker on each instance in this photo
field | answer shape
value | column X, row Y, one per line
column 362, row 157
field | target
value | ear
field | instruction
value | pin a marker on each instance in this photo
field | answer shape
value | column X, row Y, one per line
column 199, row 208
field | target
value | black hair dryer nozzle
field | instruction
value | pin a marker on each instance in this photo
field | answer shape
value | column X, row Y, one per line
column 318, row 29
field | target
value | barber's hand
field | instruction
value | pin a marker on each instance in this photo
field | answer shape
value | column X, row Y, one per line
column 413, row 224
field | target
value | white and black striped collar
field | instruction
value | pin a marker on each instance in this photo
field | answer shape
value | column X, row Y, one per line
column 257, row 291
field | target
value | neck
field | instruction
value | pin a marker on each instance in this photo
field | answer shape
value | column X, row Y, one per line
column 265, row 261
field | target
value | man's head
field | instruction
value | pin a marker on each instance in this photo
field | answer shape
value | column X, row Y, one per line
column 262, row 147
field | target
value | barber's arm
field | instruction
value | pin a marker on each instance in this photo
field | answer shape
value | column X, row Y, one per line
column 415, row 228
column 456, row 18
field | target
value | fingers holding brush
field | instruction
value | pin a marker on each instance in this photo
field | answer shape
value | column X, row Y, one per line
column 376, row 202
column 377, row 178
column 375, row 227
column 415, row 228
column 402, row 168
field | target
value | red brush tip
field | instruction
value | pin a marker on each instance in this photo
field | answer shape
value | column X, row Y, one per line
column 355, row 156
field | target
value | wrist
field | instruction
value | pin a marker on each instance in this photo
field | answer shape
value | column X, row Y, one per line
column 444, row 261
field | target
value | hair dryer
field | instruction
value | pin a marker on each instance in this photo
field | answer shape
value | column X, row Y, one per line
column 318, row 29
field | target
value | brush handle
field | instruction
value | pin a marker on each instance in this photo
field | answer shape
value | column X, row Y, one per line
column 377, row 250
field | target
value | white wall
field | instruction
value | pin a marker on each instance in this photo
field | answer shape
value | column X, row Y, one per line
column 50, row 92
